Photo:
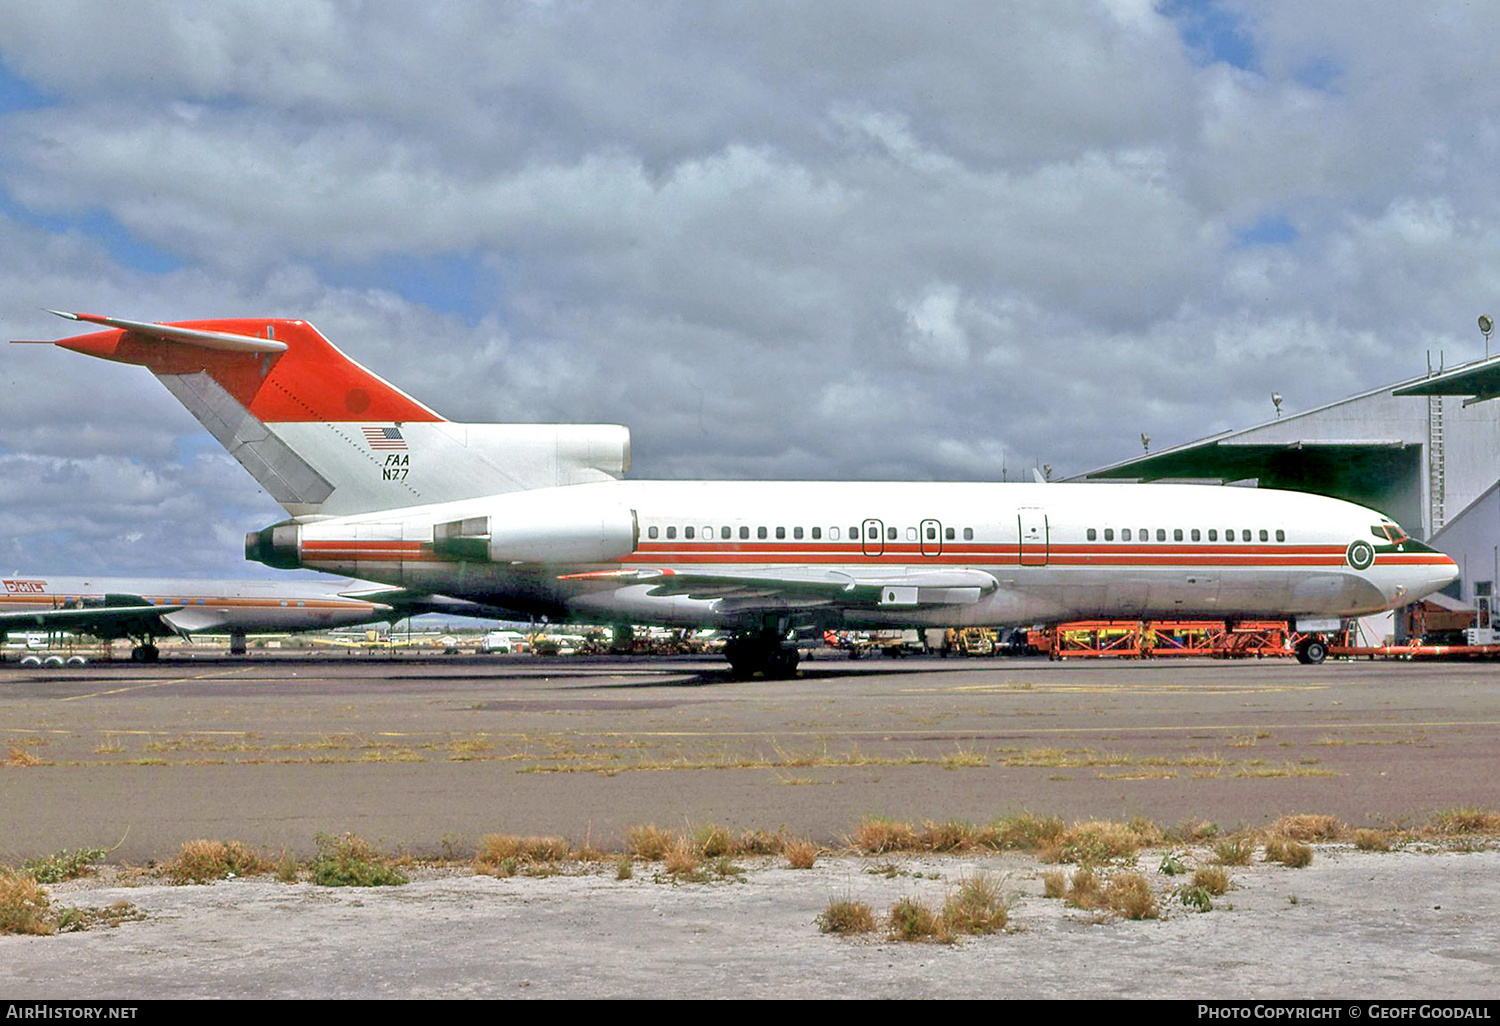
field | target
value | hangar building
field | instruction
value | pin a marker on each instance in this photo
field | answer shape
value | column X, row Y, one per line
column 1425, row 451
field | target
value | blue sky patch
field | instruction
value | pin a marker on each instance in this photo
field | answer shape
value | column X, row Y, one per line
column 447, row 282
column 100, row 226
column 1271, row 230
column 18, row 94
column 1213, row 34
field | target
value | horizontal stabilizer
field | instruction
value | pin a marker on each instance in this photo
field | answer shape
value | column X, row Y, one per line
column 221, row 340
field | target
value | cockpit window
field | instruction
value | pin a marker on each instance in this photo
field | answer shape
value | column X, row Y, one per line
column 1388, row 532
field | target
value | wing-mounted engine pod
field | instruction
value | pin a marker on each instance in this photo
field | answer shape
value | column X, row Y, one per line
column 1360, row 554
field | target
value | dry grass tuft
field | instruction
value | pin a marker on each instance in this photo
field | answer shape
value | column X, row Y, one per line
column 800, row 853
column 1213, row 879
column 759, row 842
column 1130, row 895
column 1233, row 851
column 1097, row 841
column 950, row 836
column 1310, row 827
column 1085, row 889
column 881, row 836
column 911, row 920
column 649, row 842
column 1290, row 853
column 846, row 917
column 19, row 757
column 1465, row 819
column 712, row 841
column 204, row 861
column 1022, row 832
column 1372, row 840
column 977, row 906
column 24, row 905
column 505, row 854
column 681, row 861
column 1054, row 883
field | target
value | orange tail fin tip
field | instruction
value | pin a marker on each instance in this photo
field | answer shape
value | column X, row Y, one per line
column 279, row 370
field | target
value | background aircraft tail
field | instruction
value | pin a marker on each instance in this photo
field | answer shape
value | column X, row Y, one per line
column 327, row 437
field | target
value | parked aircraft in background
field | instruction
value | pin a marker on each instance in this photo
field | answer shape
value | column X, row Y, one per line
column 535, row 519
column 145, row 610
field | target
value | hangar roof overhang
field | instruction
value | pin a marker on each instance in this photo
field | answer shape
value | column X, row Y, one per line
column 1479, row 381
column 1225, row 459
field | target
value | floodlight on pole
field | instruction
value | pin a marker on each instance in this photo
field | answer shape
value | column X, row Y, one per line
column 1145, row 441
column 1276, row 402
column 1486, row 325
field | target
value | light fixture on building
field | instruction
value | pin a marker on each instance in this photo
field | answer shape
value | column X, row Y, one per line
column 1276, row 402
column 1485, row 327
column 1145, row 441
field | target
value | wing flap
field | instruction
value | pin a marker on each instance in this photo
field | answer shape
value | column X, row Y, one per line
column 780, row 587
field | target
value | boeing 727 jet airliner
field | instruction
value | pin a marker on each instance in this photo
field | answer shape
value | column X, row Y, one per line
column 537, row 519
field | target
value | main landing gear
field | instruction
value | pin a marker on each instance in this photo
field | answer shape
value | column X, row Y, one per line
column 145, row 652
column 1312, row 650
column 768, row 651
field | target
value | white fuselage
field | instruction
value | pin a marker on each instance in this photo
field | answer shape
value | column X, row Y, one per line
column 990, row 554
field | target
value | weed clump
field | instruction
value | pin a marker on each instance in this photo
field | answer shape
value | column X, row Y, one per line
column 648, row 842
column 63, row 865
column 1022, row 832
column 911, row 920
column 1465, row 819
column 1290, row 853
column 1130, row 895
column 506, row 854
column 205, row 861
column 1099, row 841
column 800, row 854
column 883, row 836
column 351, row 861
column 846, row 917
column 24, row 905
column 1213, row 879
column 977, row 906
column 1233, row 851
column 1309, row 827
column 1372, row 840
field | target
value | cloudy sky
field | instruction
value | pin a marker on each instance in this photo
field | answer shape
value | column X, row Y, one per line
column 936, row 241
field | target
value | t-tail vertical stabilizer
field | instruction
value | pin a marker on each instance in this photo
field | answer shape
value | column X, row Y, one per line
column 327, row 437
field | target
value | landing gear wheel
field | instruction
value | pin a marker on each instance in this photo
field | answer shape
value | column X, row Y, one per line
column 147, row 653
column 1311, row 651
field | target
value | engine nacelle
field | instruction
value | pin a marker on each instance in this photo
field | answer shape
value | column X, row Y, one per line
column 567, row 534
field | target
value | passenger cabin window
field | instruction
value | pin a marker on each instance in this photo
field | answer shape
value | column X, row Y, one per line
column 1264, row 535
column 817, row 532
column 948, row 533
column 833, row 534
column 671, row 532
column 1161, row 534
column 1197, row 535
column 725, row 533
column 1109, row 534
column 1177, row 534
column 1213, row 534
column 744, row 533
column 890, row 534
column 760, row 532
column 932, row 534
column 687, row 532
column 796, row 532
column 968, row 534
column 911, row 534
column 781, row 532
column 1092, row 535
column 1125, row 534
column 1280, row 535
column 650, row 532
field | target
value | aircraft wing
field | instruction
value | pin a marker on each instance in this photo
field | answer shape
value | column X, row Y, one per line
column 100, row 621
column 406, row 603
column 794, row 587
